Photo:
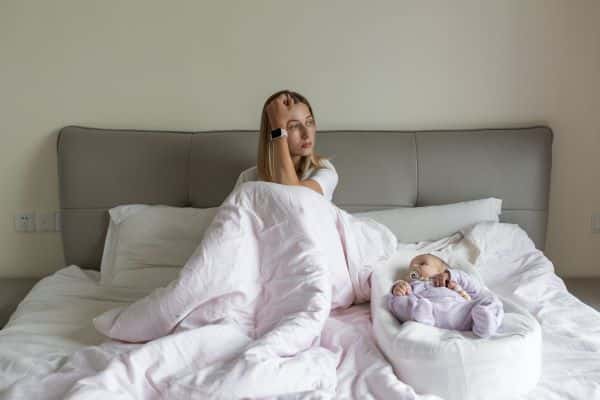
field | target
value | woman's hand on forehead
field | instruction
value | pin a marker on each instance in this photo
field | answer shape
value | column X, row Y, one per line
column 279, row 111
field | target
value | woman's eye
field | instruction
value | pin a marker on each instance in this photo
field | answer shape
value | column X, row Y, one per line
column 295, row 126
column 309, row 123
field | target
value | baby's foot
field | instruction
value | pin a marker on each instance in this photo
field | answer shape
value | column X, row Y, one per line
column 485, row 320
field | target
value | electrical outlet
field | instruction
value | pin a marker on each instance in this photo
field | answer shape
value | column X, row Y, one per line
column 595, row 223
column 45, row 222
column 25, row 222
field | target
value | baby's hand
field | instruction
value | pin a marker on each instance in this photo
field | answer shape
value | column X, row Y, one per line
column 452, row 285
column 441, row 279
column 401, row 288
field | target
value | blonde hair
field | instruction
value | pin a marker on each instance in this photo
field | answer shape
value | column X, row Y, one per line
column 265, row 159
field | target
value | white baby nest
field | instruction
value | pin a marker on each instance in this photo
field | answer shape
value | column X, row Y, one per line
column 456, row 365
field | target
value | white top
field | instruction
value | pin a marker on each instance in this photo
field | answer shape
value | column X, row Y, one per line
column 326, row 177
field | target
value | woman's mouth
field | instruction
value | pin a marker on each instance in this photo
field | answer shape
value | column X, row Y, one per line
column 306, row 145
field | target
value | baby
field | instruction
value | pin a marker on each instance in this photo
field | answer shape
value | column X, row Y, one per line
column 435, row 294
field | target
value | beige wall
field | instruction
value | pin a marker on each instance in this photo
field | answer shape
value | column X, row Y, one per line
column 364, row 65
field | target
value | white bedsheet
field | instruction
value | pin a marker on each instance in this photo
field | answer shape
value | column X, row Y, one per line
column 54, row 322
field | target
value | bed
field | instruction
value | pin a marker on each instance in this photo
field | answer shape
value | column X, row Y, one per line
column 100, row 169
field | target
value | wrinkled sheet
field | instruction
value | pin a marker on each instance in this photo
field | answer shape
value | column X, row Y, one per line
column 50, row 347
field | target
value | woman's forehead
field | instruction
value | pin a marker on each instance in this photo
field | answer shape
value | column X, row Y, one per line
column 300, row 112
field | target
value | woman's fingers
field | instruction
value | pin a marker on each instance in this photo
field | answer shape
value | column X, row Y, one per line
column 277, row 101
column 275, row 104
column 278, row 110
column 283, row 103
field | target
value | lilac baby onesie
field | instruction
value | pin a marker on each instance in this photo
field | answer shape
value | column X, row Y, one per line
column 445, row 308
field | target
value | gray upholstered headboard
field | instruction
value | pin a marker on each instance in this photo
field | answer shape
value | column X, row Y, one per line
column 100, row 168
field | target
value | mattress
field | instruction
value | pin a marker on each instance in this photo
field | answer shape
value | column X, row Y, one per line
column 50, row 342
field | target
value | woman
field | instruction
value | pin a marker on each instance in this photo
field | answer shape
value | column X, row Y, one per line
column 286, row 147
column 254, row 297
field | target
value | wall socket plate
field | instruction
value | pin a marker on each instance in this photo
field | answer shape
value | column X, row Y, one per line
column 595, row 223
column 25, row 222
column 45, row 222
column 30, row 221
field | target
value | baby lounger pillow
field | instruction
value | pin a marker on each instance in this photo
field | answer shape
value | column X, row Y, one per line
column 454, row 364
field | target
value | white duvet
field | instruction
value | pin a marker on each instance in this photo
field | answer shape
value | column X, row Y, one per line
column 234, row 327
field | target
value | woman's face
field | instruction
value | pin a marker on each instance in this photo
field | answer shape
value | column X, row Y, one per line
column 301, row 130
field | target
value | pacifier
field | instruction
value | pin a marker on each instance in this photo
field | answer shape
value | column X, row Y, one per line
column 415, row 275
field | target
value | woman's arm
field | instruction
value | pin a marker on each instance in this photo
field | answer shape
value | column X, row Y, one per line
column 285, row 173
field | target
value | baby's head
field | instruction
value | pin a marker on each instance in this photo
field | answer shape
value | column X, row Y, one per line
column 425, row 266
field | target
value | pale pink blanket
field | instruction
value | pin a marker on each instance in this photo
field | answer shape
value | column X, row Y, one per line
column 245, row 317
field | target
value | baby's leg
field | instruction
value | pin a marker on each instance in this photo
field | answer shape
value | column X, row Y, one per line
column 487, row 314
column 411, row 308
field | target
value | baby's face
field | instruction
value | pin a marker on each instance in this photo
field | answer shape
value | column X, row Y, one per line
column 426, row 266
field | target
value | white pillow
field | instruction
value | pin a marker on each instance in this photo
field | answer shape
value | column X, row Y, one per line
column 417, row 224
column 146, row 245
